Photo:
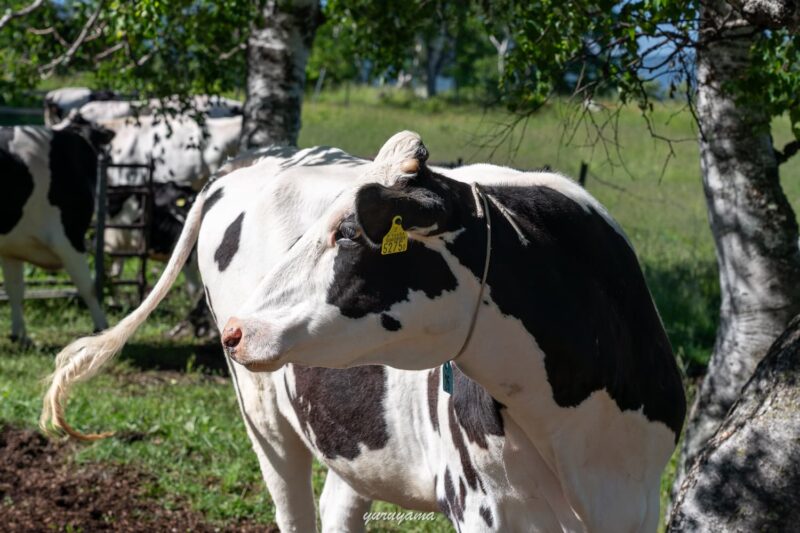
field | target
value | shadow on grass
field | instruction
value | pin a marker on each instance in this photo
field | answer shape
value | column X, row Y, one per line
column 687, row 296
column 179, row 357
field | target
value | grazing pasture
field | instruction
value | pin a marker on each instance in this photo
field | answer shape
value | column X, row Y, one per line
column 175, row 412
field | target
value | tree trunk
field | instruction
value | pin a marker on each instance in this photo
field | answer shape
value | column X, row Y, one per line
column 748, row 476
column 754, row 227
column 277, row 52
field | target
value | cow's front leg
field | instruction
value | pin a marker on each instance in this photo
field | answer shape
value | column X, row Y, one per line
column 283, row 457
column 78, row 269
column 341, row 508
column 286, row 467
column 14, row 281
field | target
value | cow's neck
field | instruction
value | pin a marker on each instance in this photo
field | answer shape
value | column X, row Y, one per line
column 501, row 355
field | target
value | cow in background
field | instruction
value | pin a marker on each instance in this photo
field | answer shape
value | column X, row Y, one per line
column 204, row 105
column 49, row 179
column 59, row 102
column 184, row 151
column 171, row 205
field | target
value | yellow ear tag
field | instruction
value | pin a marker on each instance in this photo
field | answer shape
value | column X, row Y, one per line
column 396, row 240
column 180, row 202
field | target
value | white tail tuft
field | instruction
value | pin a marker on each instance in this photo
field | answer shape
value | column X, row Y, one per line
column 81, row 359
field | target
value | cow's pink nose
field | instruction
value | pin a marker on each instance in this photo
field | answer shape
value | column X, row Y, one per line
column 232, row 334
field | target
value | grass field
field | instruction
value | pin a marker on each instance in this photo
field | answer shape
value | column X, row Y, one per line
column 180, row 421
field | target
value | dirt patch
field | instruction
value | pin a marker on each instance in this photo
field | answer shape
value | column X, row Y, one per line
column 40, row 490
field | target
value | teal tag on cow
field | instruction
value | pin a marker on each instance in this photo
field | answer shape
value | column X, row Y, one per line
column 447, row 377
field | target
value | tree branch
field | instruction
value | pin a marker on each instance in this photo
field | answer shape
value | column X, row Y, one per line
column 49, row 31
column 67, row 56
column 789, row 150
column 9, row 15
column 233, row 51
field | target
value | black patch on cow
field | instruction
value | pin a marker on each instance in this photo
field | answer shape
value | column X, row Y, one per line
column 73, row 177
column 343, row 408
column 578, row 289
column 441, row 502
column 390, row 323
column 486, row 514
column 433, row 397
column 463, row 453
column 457, row 512
column 210, row 200
column 367, row 282
column 230, row 243
column 462, row 492
column 478, row 413
column 16, row 181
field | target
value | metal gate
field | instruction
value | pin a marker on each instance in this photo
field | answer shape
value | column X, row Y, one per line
column 145, row 192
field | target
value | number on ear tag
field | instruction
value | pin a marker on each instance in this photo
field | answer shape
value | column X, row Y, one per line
column 396, row 240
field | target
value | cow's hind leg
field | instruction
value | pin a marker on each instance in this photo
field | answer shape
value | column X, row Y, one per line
column 15, row 289
column 341, row 508
column 78, row 269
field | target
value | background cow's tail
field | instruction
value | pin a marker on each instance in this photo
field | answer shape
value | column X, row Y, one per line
column 84, row 357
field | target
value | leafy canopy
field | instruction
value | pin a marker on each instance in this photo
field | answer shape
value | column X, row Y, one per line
column 153, row 47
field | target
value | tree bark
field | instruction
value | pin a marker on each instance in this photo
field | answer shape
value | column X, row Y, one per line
column 434, row 59
column 773, row 14
column 748, row 476
column 277, row 52
column 754, row 227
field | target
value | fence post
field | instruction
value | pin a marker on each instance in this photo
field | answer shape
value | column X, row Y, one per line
column 99, row 237
column 583, row 173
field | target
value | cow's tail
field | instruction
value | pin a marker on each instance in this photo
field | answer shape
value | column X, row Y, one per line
column 84, row 357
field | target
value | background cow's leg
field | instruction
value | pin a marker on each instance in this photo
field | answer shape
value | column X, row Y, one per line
column 15, row 288
column 78, row 269
column 340, row 507
column 191, row 273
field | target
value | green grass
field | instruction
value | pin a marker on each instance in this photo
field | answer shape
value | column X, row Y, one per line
column 184, row 426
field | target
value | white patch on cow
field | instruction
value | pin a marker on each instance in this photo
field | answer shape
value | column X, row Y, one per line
column 181, row 152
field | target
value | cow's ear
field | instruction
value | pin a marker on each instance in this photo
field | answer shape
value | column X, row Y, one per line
column 422, row 210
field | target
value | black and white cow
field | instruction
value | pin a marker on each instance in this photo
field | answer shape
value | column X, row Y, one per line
column 566, row 402
column 49, row 179
column 208, row 106
column 59, row 102
column 184, row 152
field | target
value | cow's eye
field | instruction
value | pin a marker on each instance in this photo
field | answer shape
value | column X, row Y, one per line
column 347, row 232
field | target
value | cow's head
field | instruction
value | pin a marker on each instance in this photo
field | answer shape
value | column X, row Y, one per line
column 337, row 299
column 98, row 136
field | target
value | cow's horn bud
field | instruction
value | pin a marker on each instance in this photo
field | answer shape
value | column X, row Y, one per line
column 410, row 166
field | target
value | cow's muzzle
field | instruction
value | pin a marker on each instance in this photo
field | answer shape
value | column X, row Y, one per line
column 245, row 341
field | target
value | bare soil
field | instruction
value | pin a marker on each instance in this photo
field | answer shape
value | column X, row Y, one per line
column 41, row 490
